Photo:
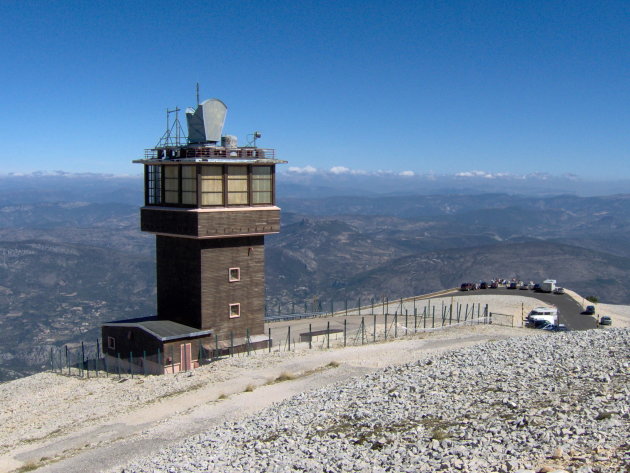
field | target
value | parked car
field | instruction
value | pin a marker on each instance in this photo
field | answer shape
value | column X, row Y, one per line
column 558, row 290
column 483, row 285
column 590, row 310
column 605, row 320
column 541, row 324
column 537, row 287
column 513, row 285
column 494, row 285
column 524, row 287
column 556, row 328
column 467, row 286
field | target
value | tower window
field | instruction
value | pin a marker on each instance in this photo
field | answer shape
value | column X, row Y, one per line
column 234, row 274
column 189, row 185
column 171, row 184
column 154, row 185
column 235, row 310
column 237, row 189
column 262, row 185
column 211, row 185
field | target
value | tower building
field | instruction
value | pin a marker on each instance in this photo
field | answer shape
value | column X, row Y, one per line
column 210, row 204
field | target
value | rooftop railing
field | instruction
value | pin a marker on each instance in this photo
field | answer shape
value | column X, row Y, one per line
column 209, row 153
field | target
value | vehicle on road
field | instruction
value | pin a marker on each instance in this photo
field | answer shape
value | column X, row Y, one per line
column 537, row 287
column 494, row 285
column 605, row 320
column 523, row 287
column 483, row 285
column 590, row 310
column 513, row 285
column 556, row 328
column 558, row 290
column 548, row 314
column 548, row 285
column 538, row 324
column 467, row 286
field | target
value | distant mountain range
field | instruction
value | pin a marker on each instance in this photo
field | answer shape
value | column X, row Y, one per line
column 72, row 255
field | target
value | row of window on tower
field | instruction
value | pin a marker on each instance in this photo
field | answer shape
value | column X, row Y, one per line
column 208, row 185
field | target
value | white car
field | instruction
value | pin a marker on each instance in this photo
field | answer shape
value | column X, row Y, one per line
column 558, row 290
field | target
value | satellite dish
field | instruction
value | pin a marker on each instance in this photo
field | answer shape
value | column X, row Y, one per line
column 205, row 123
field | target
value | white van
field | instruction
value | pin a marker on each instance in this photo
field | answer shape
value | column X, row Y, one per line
column 549, row 314
column 548, row 285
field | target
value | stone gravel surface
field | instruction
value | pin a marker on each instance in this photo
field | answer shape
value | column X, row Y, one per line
column 539, row 403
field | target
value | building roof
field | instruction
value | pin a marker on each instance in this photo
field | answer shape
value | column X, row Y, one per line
column 163, row 330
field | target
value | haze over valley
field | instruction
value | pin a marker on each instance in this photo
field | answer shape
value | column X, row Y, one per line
column 72, row 255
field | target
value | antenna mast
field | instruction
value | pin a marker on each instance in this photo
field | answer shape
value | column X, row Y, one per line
column 197, row 94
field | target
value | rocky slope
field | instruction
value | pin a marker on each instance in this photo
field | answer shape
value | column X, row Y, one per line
column 522, row 404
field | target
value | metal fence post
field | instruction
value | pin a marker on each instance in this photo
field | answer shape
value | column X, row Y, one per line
column 433, row 326
column 359, row 302
column 345, row 326
column 289, row 338
column 98, row 355
column 385, row 326
column 310, row 336
column 67, row 362
column 60, row 362
column 396, row 324
column 232, row 341
column 415, row 319
column 269, row 339
column 374, row 329
column 328, row 335
column 52, row 366
column 406, row 321
column 362, row 330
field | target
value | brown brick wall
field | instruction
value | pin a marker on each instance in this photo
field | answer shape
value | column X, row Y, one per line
column 194, row 289
column 209, row 224
column 179, row 280
column 248, row 254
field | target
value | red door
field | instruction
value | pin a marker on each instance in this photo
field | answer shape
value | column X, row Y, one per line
column 186, row 357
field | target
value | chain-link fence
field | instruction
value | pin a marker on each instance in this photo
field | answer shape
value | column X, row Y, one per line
column 357, row 326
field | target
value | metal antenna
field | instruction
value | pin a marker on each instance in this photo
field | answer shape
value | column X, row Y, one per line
column 197, row 94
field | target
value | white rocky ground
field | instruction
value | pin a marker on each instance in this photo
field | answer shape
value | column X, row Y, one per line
column 53, row 421
column 503, row 406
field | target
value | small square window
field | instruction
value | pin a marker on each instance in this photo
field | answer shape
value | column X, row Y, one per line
column 111, row 343
column 235, row 310
column 235, row 274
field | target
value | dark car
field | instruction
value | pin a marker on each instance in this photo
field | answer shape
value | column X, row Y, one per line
column 513, row 285
column 537, row 287
column 605, row 320
column 590, row 310
column 494, row 285
column 556, row 328
column 539, row 323
column 466, row 286
column 483, row 285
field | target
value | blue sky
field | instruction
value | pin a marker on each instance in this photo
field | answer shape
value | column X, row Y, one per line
column 420, row 86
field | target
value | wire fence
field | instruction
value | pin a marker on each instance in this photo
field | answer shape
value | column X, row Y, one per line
column 359, row 327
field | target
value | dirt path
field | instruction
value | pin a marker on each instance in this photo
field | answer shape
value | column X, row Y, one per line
column 113, row 440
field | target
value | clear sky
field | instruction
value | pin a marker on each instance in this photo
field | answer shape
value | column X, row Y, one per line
column 441, row 86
